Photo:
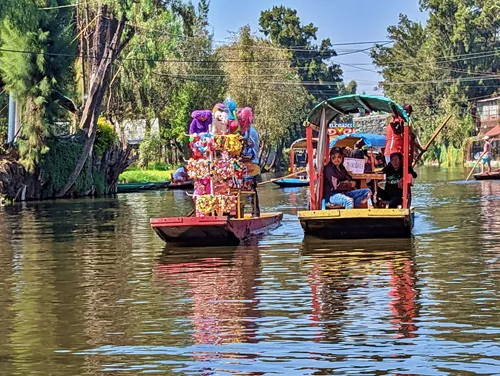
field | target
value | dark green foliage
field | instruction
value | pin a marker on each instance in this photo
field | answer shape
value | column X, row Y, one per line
column 37, row 78
column 444, row 66
column 57, row 165
column 283, row 27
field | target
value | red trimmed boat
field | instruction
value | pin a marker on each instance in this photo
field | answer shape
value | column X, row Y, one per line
column 213, row 230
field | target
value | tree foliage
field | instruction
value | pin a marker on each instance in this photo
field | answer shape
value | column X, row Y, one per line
column 445, row 66
column 262, row 76
column 40, row 74
column 284, row 28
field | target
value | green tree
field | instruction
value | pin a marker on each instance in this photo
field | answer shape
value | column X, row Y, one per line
column 446, row 66
column 282, row 25
column 262, row 76
column 39, row 79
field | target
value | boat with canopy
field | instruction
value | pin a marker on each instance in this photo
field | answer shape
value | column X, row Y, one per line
column 326, row 221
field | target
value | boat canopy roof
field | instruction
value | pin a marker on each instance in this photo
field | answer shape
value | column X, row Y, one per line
column 370, row 140
column 349, row 104
column 301, row 143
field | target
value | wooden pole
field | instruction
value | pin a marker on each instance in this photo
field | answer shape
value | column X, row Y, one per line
column 281, row 177
column 473, row 167
column 311, row 172
column 431, row 140
column 406, row 160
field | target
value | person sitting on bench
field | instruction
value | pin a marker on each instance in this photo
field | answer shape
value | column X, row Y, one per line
column 393, row 191
column 339, row 186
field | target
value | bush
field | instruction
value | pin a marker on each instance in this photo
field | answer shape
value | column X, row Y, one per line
column 105, row 137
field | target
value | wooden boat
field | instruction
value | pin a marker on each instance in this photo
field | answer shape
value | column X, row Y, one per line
column 188, row 184
column 213, row 230
column 137, row 187
column 297, row 145
column 493, row 175
column 336, row 222
column 291, row 182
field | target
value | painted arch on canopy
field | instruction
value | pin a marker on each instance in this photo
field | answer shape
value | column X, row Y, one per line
column 353, row 103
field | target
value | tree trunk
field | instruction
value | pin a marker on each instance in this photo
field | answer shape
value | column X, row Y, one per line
column 278, row 157
column 107, row 48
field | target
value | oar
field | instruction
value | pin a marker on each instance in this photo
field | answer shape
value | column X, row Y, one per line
column 282, row 177
column 473, row 167
column 431, row 140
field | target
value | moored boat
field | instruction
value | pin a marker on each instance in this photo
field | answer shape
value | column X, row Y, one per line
column 494, row 175
column 213, row 230
column 336, row 222
column 137, row 187
column 188, row 184
column 291, row 182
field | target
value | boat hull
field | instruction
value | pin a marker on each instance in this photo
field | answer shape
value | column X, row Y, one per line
column 213, row 231
column 490, row 176
column 357, row 223
column 185, row 185
column 138, row 187
column 285, row 183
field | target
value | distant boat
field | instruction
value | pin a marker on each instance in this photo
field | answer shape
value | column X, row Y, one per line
column 292, row 182
column 144, row 186
column 494, row 175
column 188, row 184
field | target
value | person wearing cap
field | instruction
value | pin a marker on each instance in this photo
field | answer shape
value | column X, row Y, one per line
column 339, row 187
column 486, row 154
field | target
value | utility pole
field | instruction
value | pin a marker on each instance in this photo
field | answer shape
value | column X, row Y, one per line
column 12, row 114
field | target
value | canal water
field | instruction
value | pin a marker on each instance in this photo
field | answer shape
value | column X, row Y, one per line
column 87, row 288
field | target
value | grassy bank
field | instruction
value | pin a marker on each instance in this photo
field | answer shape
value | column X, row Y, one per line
column 139, row 176
column 154, row 173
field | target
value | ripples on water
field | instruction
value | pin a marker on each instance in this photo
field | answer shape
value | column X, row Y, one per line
column 87, row 288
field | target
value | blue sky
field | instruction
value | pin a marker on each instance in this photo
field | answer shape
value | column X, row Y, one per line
column 342, row 21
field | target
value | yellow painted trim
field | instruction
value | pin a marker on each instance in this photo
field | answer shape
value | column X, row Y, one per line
column 353, row 213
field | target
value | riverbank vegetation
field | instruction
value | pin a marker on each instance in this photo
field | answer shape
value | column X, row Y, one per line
column 82, row 72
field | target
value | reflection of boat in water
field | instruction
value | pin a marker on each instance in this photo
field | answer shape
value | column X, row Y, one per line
column 340, row 271
column 219, row 289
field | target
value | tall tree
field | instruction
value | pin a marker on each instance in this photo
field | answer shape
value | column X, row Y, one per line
column 445, row 66
column 282, row 25
column 263, row 77
column 34, row 68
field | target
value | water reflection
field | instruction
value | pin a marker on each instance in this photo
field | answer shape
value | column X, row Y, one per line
column 86, row 287
column 221, row 289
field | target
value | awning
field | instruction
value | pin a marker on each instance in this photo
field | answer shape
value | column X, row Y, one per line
column 301, row 143
column 349, row 104
column 493, row 132
column 370, row 140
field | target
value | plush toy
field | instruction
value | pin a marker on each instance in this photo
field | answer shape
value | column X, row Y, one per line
column 219, row 119
column 201, row 121
column 245, row 118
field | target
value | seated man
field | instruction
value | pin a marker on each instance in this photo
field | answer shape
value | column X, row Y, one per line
column 180, row 175
column 339, row 186
column 393, row 191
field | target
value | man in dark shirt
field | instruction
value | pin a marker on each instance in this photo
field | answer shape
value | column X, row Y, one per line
column 393, row 191
column 358, row 151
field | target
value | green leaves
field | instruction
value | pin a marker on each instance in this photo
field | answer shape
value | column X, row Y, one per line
column 444, row 67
